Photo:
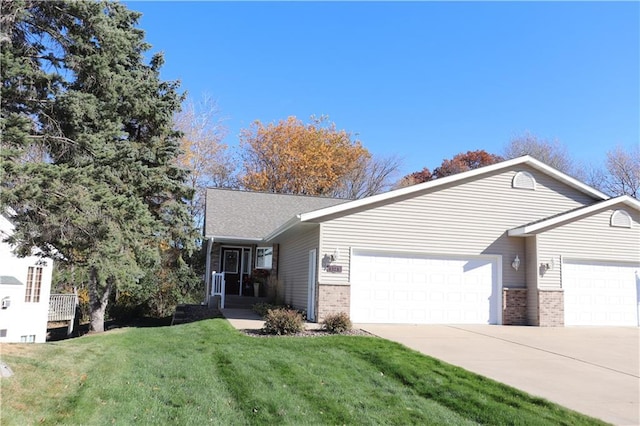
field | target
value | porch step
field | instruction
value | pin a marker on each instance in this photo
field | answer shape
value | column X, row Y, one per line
column 190, row 313
column 242, row 302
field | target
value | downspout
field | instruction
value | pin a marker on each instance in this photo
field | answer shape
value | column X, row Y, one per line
column 207, row 276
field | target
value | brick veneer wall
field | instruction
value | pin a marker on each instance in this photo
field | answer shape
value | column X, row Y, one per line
column 551, row 308
column 333, row 299
column 514, row 306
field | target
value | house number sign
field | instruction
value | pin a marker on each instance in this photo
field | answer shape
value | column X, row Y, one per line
column 334, row 268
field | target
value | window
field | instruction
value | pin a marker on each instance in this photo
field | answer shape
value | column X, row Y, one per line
column 3, row 332
column 246, row 261
column 524, row 180
column 264, row 257
column 231, row 261
column 621, row 219
column 31, row 338
column 34, row 283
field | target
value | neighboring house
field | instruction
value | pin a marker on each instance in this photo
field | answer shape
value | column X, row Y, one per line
column 516, row 242
column 25, row 285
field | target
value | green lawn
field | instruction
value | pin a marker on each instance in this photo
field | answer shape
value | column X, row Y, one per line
column 209, row 373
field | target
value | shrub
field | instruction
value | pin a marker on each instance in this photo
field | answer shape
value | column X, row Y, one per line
column 283, row 321
column 337, row 323
column 262, row 308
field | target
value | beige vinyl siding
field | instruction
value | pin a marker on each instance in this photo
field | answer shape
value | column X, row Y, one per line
column 590, row 238
column 468, row 218
column 532, row 279
column 293, row 264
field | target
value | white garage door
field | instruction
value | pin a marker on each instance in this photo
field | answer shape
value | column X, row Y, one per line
column 600, row 294
column 412, row 289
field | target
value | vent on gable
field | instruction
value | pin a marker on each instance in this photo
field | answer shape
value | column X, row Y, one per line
column 620, row 219
column 524, row 180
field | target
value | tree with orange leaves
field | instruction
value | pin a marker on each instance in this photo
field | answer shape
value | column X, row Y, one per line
column 459, row 163
column 465, row 161
column 291, row 157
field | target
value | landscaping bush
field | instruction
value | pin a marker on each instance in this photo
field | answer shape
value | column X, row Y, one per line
column 283, row 321
column 262, row 308
column 337, row 323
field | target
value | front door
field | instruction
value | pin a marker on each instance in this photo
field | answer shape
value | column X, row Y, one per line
column 231, row 269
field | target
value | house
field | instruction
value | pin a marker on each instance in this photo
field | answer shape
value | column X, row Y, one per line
column 25, row 285
column 513, row 243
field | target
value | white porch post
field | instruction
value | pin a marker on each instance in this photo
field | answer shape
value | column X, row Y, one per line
column 207, row 275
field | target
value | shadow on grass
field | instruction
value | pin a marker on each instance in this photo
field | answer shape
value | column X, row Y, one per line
column 190, row 313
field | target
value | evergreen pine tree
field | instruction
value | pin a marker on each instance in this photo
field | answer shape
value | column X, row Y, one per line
column 104, row 193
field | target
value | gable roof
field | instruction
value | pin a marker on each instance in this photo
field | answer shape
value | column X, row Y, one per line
column 434, row 185
column 226, row 212
column 562, row 218
column 9, row 280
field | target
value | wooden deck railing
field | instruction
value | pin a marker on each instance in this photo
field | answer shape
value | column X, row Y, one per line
column 62, row 307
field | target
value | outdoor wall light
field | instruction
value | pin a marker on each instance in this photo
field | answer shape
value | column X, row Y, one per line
column 516, row 263
column 336, row 255
column 548, row 266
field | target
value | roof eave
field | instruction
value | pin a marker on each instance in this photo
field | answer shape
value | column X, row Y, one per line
column 563, row 177
column 525, row 231
column 518, row 232
column 452, row 179
column 231, row 238
column 283, row 228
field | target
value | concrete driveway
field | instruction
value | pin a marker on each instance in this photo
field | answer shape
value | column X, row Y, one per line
column 593, row 370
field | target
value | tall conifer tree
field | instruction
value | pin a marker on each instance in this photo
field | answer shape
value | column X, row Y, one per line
column 104, row 193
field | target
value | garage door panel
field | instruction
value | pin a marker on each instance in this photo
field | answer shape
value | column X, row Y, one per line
column 423, row 289
column 600, row 293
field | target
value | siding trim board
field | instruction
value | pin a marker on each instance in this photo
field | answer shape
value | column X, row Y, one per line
column 600, row 262
column 561, row 219
column 435, row 185
column 524, row 180
column 621, row 219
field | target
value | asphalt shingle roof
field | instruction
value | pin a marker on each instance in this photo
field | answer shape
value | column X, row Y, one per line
column 244, row 214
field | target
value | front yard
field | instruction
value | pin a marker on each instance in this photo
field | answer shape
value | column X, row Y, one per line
column 208, row 373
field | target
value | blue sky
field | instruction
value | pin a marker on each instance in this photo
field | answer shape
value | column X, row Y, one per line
column 421, row 80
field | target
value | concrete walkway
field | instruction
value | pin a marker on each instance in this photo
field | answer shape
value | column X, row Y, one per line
column 243, row 319
column 593, row 370
column 246, row 319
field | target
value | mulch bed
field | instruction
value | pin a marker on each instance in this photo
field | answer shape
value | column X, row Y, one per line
column 308, row 333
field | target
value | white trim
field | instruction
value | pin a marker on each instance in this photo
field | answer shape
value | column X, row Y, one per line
column 221, row 239
column 516, row 182
column 311, row 284
column 283, row 228
column 526, row 230
column 452, row 179
column 434, row 184
column 599, row 262
column 207, row 272
column 258, row 256
column 616, row 222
